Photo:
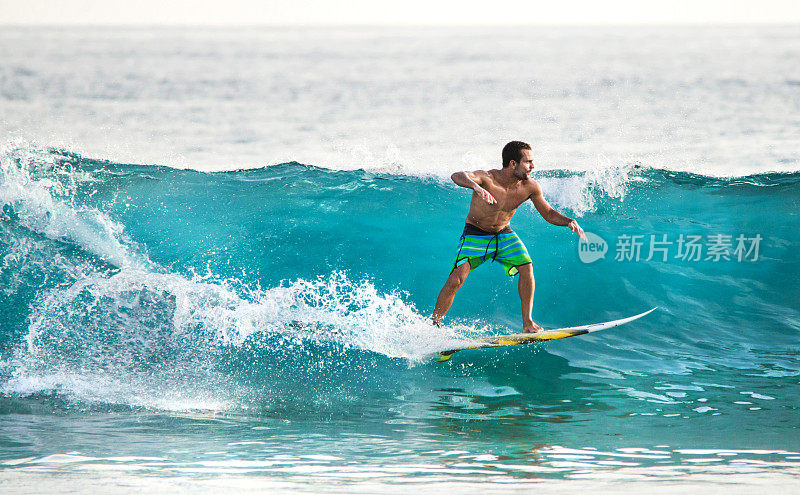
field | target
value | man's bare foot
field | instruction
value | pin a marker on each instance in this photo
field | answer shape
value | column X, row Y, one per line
column 531, row 327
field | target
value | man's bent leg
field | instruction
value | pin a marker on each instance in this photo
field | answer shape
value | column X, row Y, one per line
column 526, row 287
column 448, row 292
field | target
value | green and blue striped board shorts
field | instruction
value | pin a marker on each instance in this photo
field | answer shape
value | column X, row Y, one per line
column 477, row 246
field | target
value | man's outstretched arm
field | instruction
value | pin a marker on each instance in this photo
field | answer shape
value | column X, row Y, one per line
column 472, row 180
column 551, row 215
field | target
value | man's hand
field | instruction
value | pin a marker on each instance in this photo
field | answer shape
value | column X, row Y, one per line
column 573, row 226
column 484, row 194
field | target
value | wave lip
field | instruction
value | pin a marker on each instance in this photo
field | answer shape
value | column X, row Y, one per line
column 38, row 190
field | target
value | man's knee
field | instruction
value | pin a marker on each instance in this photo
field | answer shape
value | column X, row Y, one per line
column 458, row 277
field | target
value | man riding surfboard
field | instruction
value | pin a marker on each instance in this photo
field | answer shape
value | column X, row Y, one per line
column 487, row 233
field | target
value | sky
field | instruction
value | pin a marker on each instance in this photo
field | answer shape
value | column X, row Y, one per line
column 396, row 12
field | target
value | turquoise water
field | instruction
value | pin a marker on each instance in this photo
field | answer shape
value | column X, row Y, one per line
column 272, row 323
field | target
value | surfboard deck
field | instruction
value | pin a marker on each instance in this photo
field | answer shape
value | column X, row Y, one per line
column 530, row 338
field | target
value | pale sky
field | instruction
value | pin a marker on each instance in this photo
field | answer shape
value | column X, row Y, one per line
column 396, row 12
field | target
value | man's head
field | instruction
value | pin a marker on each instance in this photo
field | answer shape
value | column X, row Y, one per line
column 518, row 155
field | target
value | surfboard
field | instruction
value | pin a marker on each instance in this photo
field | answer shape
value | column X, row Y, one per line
column 530, row 338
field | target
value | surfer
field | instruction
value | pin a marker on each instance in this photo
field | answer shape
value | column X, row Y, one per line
column 496, row 195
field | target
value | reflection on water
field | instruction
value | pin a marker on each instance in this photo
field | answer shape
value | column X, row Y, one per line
column 500, row 418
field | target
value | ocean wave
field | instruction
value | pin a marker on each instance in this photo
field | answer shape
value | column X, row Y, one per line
column 156, row 287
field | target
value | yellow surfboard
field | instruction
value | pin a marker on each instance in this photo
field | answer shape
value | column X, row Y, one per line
column 529, row 338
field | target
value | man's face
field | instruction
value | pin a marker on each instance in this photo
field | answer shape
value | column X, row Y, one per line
column 523, row 169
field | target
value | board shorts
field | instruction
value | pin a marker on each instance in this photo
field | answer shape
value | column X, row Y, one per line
column 477, row 246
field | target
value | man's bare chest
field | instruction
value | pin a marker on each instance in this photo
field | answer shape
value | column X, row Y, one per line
column 508, row 198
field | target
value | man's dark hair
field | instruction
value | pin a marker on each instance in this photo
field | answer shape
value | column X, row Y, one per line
column 513, row 151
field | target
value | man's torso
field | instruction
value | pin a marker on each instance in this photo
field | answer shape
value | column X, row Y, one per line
column 493, row 218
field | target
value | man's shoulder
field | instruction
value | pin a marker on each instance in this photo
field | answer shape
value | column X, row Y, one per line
column 482, row 175
column 491, row 173
column 533, row 186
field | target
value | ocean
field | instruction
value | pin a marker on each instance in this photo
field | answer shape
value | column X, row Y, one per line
column 220, row 250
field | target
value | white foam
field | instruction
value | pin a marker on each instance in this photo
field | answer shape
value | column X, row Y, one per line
column 151, row 339
column 41, row 194
column 581, row 192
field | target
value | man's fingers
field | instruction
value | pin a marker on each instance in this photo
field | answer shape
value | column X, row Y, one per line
column 573, row 226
